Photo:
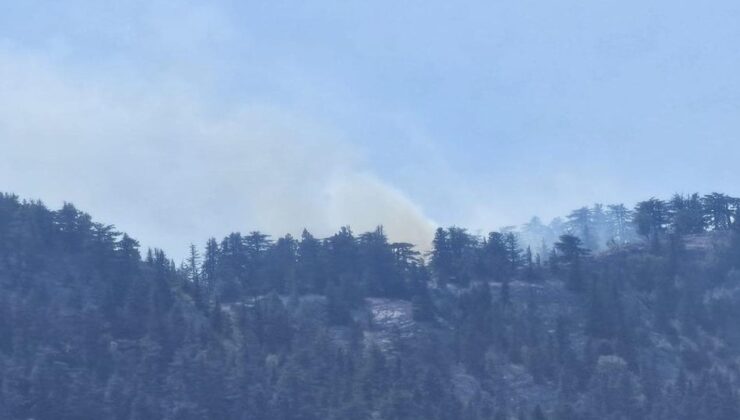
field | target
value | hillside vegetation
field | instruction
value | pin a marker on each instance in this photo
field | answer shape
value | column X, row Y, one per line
column 609, row 314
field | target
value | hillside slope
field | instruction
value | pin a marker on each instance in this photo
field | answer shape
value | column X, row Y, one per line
column 352, row 327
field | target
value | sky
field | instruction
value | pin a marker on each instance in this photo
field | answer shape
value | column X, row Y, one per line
column 181, row 120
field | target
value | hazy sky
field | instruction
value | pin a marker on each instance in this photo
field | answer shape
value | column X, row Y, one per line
column 178, row 120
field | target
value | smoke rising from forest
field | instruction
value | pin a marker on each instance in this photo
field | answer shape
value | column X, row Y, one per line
column 110, row 148
column 242, row 116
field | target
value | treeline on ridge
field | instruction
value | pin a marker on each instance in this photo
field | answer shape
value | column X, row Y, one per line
column 606, row 314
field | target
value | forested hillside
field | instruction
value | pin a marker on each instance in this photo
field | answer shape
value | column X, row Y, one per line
column 610, row 313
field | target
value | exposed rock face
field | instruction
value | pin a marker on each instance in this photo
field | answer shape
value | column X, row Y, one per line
column 390, row 320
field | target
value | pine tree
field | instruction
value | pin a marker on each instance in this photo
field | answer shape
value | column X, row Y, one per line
column 718, row 210
column 580, row 224
column 651, row 218
column 571, row 253
column 619, row 220
column 686, row 214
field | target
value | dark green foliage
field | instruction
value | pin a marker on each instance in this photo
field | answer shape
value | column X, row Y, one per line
column 571, row 254
column 618, row 219
column 453, row 256
column 355, row 327
column 538, row 414
column 687, row 214
column 651, row 218
column 719, row 210
column 581, row 224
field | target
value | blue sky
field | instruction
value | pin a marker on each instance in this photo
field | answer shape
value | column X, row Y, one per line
column 176, row 120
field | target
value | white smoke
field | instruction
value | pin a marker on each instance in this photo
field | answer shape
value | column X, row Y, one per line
column 169, row 170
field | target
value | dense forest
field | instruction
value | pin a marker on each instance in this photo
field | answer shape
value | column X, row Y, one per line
column 608, row 313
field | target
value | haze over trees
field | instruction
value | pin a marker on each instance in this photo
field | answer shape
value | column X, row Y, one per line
column 608, row 313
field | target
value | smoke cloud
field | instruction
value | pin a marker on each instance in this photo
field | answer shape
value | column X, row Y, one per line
column 160, row 165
